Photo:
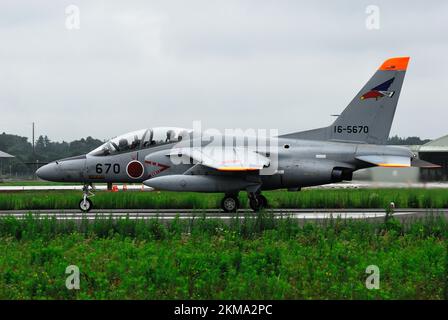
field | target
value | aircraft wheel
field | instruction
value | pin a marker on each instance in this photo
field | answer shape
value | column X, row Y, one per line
column 254, row 204
column 263, row 200
column 230, row 204
column 258, row 202
column 85, row 205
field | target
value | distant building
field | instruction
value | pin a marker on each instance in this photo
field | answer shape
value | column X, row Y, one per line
column 4, row 155
column 435, row 152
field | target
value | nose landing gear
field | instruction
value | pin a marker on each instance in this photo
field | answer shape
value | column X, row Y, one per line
column 85, row 205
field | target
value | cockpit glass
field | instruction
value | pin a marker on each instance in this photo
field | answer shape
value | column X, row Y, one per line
column 168, row 135
column 129, row 141
column 141, row 139
column 126, row 142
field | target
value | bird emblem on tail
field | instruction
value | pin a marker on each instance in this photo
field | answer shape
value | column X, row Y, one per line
column 379, row 91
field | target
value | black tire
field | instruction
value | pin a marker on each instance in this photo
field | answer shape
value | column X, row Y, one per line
column 263, row 200
column 230, row 204
column 257, row 203
column 85, row 207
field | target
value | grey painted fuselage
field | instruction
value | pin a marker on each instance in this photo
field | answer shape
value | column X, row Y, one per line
column 300, row 163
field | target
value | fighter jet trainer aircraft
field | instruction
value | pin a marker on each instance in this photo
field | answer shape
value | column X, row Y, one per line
column 176, row 159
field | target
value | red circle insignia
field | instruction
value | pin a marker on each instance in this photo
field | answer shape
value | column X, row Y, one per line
column 135, row 169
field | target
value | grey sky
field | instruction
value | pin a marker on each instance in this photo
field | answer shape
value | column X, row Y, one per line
column 232, row 64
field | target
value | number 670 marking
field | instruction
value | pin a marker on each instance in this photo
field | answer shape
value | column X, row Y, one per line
column 115, row 168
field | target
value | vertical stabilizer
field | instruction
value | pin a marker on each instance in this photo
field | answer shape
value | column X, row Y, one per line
column 368, row 117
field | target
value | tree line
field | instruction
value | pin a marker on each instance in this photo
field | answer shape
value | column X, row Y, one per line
column 45, row 150
column 410, row 141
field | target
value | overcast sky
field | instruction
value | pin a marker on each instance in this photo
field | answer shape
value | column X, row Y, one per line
column 286, row 65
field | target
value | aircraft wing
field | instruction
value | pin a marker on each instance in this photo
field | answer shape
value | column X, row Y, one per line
column 225, row 158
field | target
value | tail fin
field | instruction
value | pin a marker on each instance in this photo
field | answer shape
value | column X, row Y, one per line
column 368, row 117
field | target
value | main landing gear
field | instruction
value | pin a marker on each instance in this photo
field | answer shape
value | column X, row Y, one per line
column 257, row 202
column 85, row 205
column 230, row 203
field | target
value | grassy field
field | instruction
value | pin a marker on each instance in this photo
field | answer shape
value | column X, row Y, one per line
column 256, row 258
column 310, row 198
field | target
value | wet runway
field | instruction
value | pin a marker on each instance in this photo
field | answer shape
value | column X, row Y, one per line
column 170, row 214
column 141, row 187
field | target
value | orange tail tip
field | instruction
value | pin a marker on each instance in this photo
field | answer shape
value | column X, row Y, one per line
column 395, row 64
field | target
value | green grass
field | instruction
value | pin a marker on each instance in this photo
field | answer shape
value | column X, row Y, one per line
column 256, row 258
column 310, row 198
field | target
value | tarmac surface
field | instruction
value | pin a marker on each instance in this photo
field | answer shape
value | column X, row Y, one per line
column 170, row 214
column 141, row 187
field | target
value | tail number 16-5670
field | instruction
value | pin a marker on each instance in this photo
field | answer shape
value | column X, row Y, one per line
column 351, row 129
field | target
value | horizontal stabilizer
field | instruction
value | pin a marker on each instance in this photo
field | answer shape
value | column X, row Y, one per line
column 387, row 161
column 423, row 164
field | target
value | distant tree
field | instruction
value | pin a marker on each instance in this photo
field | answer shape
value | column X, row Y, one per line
column 45, row 150
column 396, row 140
column 83, row 146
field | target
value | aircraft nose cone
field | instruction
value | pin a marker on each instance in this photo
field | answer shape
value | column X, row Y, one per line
column 48, row 172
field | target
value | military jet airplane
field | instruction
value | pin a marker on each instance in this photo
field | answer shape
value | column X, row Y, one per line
column 315, row 157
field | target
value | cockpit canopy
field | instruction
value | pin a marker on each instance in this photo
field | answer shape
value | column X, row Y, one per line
column 142, row 139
